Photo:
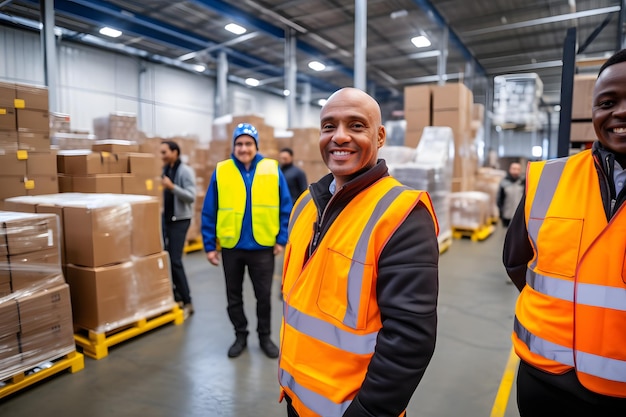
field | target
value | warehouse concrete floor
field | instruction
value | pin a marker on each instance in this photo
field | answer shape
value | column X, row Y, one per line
column 183, row 371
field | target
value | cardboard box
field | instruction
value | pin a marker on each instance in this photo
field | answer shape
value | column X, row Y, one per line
column 102, row 297
column 582, row 132
column 117, row 163
column 143, row 164
column 11, row 187
column 132, row 184
column 412, row 137
column 99, row 183
column 25, row 232
column 42, row 184
column 33, row 120
column 147, row 238
column 417, row 120
column 455, row 119
column 9, row 318
column 97, row 236
column 57, row 211
column 10, row 355
column 41, row 308
column 417, row 97
column 36, row 270
column 306, row 144
column 115, row 146
column 582, row 98
column 65, row 183
column 154, row 284
column 7, row 95
column 41, row 163
column 5, row 278
column 451, row 96
column 31, row 97
column 478, row 112
column 81, row 162
column 13, row 163
column 51, row 340
column 34, row 141
column 8, row 119
column 8, row 140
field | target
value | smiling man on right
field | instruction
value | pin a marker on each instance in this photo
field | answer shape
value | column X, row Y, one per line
column 565, row 250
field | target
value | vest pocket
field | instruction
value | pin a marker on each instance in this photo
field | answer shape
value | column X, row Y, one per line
column 345, row 284
column 558, row 244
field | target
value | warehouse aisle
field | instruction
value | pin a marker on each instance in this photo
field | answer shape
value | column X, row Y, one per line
column 183, row 371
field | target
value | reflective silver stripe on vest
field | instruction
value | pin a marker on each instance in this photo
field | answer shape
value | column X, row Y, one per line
column 593, row 295
column 546, row 187
column 314, row 401
column 297, row 210
column 355, row 275
column 543, row 347
column 595, row 365
column 327, row 333
column 606, row 368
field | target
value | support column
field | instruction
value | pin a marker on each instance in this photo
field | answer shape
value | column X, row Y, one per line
column 442, row 60
column 49, row 53
column 306, row 104
column 221, row 93
column 567, row 88
column 291, row 72
column 360, row 44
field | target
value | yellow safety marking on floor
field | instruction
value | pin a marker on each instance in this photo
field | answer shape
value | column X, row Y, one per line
column 504, row 392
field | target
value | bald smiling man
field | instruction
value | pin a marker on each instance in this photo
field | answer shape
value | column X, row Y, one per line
column 360, row 279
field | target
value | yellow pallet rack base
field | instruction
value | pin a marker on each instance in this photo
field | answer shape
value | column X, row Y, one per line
column 193, row 246
column 73, row 362
column 476, row 235
column 96, row 345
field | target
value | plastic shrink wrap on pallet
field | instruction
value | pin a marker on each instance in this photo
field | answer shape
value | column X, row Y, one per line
column 469, row 210
column 112, row 254
column 35, row 311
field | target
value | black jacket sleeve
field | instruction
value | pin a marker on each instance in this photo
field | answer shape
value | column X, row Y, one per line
column 407, row 291
column 517, row 250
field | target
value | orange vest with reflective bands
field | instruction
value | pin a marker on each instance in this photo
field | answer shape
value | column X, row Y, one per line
column 331, row 317
column 572, row 312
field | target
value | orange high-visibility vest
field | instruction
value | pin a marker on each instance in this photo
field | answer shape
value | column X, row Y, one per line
column 331, row 317
column 572, row 312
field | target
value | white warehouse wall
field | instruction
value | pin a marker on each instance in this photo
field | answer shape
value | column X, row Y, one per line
column 168, row 101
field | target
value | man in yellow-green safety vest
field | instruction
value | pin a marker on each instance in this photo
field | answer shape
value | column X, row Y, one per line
column 246, row 211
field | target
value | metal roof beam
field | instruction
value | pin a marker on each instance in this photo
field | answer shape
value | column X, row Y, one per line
column 435, row 16
column 542, row 21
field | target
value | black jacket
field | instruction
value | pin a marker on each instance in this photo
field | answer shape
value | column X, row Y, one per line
column 296, row 180
column 518, row 252
column 406, row 290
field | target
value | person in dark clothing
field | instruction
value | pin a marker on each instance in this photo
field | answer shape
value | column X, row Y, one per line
column 296, row 178
column 510, row 193
column 179, row 195
column 360, row 280
column 564, row 250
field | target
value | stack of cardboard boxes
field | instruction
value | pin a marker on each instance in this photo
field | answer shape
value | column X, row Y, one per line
column 35, row 310
column 121, row 126
column 582, row 101
column 305, row 143
column 113, row 256
column 110, row 167
column 488, row 181
column 469, row 210
column 27, row 165
column 448, row 105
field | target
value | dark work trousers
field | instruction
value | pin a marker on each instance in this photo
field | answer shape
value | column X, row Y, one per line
column 260, row 265
column 538, row 398
column 174, row 234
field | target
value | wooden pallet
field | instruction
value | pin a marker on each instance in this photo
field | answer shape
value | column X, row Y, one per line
column 476, row 235
column 193, row 246
column 72, row 362
column 445, row 241
column 96, row 345
column 493, row 220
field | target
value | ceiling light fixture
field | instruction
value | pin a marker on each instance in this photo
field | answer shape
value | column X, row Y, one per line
column 322, row 102
column 286, row 93
column 420, row 41
column 199, row 68
column 252, row 82
column 317, row 66
column 110, row 32
column 235, row 28
column 537, row 151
